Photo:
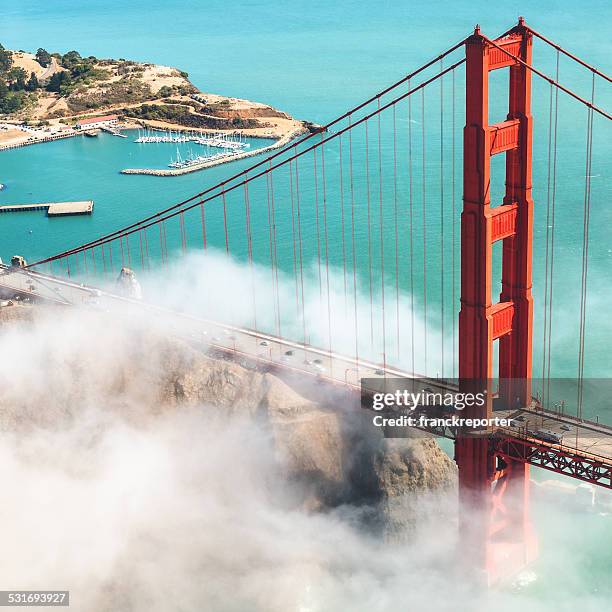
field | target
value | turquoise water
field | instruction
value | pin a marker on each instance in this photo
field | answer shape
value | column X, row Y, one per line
column 88, row 169
column 314, row 60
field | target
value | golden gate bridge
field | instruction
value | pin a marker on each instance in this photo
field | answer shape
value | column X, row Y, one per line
column 361, row 216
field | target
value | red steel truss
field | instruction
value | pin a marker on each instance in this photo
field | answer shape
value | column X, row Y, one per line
column 555, row 459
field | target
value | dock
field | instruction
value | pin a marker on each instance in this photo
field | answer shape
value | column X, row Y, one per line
column 53, row 209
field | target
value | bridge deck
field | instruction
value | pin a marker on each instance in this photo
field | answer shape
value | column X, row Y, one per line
column 584, row 446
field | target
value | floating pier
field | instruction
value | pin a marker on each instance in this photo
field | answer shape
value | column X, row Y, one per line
column 53, row 209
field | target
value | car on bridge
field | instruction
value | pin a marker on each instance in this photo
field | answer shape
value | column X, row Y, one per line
column 546, row 436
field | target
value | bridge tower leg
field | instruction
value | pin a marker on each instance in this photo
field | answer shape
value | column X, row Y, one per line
column 495, row 531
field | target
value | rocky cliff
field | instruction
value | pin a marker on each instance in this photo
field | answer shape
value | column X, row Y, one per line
column 326, row 451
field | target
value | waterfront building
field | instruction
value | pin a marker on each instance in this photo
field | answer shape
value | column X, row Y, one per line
column 91, row 123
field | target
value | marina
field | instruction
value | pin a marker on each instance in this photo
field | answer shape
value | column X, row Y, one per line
column 217, row 139
column 190, row 162
column 53, row 209
column 230, row 145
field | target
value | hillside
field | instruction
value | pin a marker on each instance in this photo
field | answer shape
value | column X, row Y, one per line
column 49, row 89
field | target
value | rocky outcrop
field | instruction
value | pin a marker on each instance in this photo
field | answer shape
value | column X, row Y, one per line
column 326, row 451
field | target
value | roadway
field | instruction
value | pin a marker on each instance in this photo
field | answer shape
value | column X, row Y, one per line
column 587, row 445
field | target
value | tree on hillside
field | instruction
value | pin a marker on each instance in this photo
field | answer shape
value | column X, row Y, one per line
column 165, row 91
column 43, row 57
column 32, row 83
column 10, row 101
column 16, row 78
column 58, row 80
column 6, row 60
column 70, row 59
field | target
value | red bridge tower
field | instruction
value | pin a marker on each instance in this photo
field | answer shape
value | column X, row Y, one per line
column 494, row 494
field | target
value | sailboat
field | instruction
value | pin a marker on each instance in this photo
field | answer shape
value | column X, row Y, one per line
column 178, row 162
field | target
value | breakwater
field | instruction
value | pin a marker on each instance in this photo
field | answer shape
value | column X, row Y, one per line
column 281, row 142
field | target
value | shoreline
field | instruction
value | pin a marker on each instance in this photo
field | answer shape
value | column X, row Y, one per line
column 279, row 142
column 34, row 136
column 33, row 141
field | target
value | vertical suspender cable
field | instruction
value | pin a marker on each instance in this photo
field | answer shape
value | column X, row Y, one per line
column 325, row 234
column 275, row 264
column 203, row 216
column 442, row 214
column 293, row 240
column 353, row 245
column 146, row 241
column 453, row 311
column 552, row 234
column 411, row 243
column 424, row 192
column 316, row 193
column 585, row 253
column 367, row 169
column 182, row 229
column 225, row 222
column 342, row 218
column 546, row 257
column 271, row 249
column 299, row 219
column 247, row 209
column 142, row 265
column 382, row 243
column 396, row 221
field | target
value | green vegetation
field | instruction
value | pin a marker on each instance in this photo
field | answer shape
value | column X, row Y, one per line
column 6, row 60
column 14, row 84
column 43, row 57
column 127, row 90
column 33, row 83
column 17, row 87
column 85, row 83
column 78, row 71
column 174, row 113
column 175, row 90
column 59, row 82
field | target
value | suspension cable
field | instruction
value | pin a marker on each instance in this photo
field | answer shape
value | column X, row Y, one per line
column 568, row 54
column 549, row 79
column 282, row 151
